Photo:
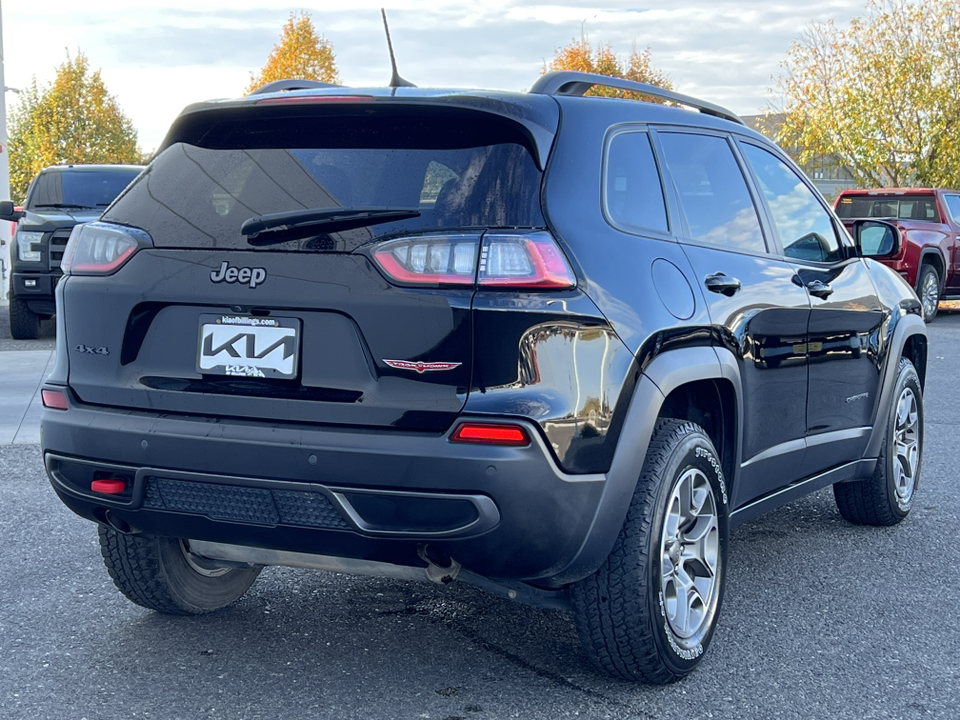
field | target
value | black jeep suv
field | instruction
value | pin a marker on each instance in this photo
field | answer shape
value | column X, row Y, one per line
column 553, row 346
column 58, row 198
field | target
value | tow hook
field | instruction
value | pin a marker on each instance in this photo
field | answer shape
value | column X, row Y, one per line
column 437, row 573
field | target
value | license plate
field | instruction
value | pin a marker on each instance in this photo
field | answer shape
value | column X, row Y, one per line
column 248, row 346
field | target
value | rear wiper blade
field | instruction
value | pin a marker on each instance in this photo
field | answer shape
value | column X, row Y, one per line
column 64, row 206
column 284, row 226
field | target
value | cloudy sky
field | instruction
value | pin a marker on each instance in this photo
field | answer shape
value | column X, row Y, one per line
column 158, row 57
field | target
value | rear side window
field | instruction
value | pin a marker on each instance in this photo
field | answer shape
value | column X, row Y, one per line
column 632, row 187
column 898, row 207
column 474, row 173
column 953, row 206
column 713, row 193
column 805, row 227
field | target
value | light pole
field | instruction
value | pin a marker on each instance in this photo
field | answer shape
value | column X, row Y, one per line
column 5, row 235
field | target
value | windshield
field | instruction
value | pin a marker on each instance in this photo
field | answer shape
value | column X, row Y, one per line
column 446, row 175
column 902, row 207
column 78, row 189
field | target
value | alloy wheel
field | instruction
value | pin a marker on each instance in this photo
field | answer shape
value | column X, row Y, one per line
column 906, row 436
column 689, row 555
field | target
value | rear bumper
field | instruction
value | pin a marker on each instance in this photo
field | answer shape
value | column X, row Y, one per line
column 501, row 512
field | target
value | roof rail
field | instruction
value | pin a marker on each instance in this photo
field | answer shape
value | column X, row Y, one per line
column 281, row 85
column 577, row 83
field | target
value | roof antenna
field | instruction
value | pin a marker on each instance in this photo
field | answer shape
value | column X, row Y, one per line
column 395, row 79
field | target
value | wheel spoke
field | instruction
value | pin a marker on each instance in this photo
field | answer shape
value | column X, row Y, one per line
column 685, row 497
column 704, row 549
column 683, row 585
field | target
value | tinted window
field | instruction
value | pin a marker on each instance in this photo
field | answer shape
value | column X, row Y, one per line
column 633, row 190
column 713, row 193
column 902, row 207
column 953, row 206
column 805, row 227
column 457, row 175
column 82, row 188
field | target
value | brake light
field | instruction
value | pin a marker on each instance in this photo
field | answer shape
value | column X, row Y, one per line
column 315, row 99
column 483, row 434
column 101, row 248
column 505, row 260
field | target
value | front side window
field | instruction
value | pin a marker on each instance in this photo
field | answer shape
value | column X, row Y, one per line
column 805, row 227
column 712, row 190
column 633, row 192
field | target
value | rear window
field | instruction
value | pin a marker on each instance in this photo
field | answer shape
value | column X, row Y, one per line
column 902, row 207
column 80, row 189
column 475, row 172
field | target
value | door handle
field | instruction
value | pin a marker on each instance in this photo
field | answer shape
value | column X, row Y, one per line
column 819, row 289
column 720, row 283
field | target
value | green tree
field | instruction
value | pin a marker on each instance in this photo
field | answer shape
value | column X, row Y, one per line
column 881, row 97
column 301, row 54
column 581, row 56
column 74, row 120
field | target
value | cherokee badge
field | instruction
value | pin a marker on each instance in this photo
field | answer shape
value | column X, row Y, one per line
column 420, row 366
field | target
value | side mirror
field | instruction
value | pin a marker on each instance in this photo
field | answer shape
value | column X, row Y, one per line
column 876, row 238
column 9, row 212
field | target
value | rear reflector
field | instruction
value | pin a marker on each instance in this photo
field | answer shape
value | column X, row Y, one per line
column 483, row 434
column 54, row 399
column 109, row 487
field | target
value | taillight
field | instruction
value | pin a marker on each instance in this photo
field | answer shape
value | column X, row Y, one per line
column 505, row 260
column 98, row 248
column 430, row 260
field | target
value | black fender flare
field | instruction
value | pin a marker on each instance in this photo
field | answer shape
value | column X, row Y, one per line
column 906, row 326
column 662, row 376
column 924, row 254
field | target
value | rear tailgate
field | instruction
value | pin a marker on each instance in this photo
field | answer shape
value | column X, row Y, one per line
column 303, row 326
column 140, row 344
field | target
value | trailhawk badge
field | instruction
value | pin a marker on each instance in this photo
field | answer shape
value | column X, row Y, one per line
column 420, row 366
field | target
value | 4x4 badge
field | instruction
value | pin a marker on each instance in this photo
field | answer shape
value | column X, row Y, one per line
column 420, row 366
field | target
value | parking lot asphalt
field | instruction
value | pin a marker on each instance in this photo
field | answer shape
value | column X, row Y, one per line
column 821, row 619
column 23, row 365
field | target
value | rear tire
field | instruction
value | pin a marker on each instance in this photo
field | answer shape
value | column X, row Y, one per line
column 160, row 574
column 649, row 612
column 887, row 496
column 24, row 323
column 928, row 290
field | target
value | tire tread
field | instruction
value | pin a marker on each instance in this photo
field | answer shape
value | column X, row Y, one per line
column 24, row 323
column 613, row 623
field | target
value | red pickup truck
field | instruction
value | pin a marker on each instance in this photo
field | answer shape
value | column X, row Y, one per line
column 929, row 223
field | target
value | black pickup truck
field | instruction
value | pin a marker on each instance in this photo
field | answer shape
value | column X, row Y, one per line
column 58, row 198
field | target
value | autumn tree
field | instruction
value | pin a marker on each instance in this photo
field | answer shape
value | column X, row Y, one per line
column 74, row 120
column 581, row 56
column 881, row 97
column 301, row 54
